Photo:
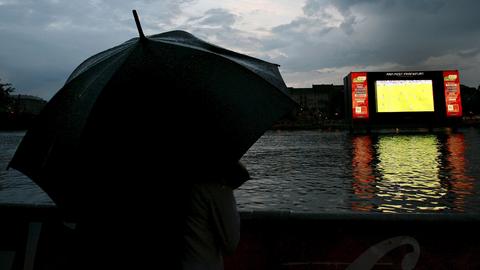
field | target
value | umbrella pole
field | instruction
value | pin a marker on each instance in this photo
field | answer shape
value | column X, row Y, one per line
column 139, row 26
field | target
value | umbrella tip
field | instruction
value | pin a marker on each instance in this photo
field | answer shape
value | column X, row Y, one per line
column 139, row 26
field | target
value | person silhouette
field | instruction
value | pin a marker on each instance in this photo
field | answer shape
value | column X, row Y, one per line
column 212, row 222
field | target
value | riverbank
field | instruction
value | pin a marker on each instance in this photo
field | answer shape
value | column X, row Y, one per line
column 341, row 124
column 300, row 124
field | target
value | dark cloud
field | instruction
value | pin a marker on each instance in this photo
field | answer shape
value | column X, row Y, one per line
column 374, row 32
column 43, row 41
column 215, row 18
column 217, row 26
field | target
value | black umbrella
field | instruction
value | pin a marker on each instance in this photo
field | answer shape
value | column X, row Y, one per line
column 169, row 97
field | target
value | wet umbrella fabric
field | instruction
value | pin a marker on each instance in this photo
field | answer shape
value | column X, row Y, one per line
column 169, row 97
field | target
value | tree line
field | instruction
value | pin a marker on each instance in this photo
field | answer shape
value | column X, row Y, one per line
column 16, row 111
column 5, row 101
column 470, row 100
column 12, row 118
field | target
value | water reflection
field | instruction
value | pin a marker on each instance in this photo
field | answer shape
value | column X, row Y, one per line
column 410, row 173
column 314, row 171
column 363, row 186
column 461, row 184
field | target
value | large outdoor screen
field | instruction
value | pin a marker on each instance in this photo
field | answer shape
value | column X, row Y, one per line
column 404, row 96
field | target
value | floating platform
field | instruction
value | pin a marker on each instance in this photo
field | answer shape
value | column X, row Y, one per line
column 407, row 99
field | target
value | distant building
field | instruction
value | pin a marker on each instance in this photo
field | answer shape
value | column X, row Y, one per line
column 321, row 100
column 26, row 104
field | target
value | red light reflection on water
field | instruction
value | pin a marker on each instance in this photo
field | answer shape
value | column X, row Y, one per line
column 462, row 184
column 410, row 174
column 363, row 172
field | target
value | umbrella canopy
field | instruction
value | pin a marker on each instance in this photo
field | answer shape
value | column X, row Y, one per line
column 169, row 97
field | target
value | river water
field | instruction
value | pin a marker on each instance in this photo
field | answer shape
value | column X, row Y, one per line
column 332, row 172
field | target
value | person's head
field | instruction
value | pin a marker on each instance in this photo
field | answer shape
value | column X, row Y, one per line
column 234, row 175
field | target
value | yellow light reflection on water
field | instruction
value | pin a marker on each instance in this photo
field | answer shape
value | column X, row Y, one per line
column 408, row 169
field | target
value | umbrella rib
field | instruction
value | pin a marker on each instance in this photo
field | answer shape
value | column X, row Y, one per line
column 97, row 59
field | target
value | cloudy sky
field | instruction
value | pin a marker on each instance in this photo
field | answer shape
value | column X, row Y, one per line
column 314, row 41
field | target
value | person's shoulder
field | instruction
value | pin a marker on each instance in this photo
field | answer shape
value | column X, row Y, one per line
column 211, row 186
column 212, row 189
